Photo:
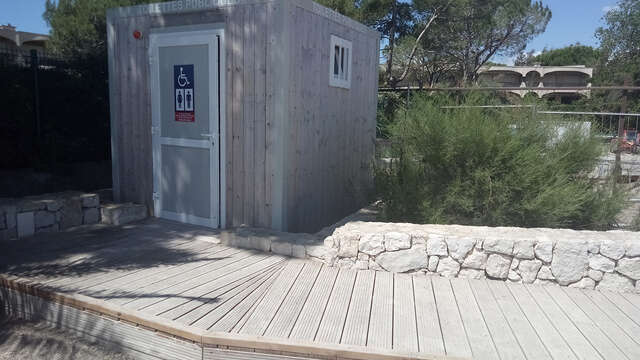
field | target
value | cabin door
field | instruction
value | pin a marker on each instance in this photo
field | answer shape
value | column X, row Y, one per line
column 185, row 83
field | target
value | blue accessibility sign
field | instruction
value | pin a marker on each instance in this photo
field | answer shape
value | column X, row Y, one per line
column 183, row 84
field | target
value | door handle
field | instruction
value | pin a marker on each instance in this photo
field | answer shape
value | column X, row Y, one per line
column 211, row 137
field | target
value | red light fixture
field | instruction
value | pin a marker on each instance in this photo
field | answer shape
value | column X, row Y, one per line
column 137, row 35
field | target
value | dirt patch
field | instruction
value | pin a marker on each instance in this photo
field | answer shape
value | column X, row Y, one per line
column 21, row 340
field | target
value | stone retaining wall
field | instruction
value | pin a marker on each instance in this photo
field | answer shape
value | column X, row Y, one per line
column 586, row 259
column 49, row 212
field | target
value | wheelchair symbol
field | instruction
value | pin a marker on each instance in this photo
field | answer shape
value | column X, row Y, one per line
column 182, row 79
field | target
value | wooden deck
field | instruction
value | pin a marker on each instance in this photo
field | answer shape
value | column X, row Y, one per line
column 176, row 275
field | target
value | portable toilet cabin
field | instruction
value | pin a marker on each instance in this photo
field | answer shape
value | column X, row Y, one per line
column 242, row 112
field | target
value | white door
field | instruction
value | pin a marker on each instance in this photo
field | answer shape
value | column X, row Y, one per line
column 185, row 83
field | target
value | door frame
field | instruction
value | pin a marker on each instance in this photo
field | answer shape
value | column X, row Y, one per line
column 214, row 38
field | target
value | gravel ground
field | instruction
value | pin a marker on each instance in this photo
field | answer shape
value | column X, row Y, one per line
column 20, row 340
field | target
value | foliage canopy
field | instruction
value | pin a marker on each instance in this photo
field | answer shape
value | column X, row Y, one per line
column 570, row 55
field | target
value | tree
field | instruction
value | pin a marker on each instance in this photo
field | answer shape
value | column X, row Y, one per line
column 425, row 13
column 350, row 8
column 620, row 43
column 477, row 30
column 78, row 27
column 524, row 58
column 428, row 67
column 575, row 54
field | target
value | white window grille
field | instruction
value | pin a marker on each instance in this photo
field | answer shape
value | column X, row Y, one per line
column 340, row 70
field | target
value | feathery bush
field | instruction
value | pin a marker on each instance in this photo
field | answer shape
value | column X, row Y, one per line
column 479, row 166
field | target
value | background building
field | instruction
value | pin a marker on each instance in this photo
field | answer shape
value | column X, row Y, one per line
column 12, row 39
column 540, row 77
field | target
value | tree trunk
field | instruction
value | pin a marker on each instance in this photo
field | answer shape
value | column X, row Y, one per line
column 392, row 38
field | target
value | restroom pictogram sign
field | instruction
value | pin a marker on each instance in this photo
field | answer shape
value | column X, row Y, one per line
column 183, row 84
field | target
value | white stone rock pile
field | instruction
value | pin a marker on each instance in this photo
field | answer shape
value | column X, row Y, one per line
column 586, row 259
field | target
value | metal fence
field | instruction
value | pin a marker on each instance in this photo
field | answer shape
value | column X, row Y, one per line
column 54, row 109
column 14, row 56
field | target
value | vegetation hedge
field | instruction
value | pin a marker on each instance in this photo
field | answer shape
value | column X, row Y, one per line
column 494, row 167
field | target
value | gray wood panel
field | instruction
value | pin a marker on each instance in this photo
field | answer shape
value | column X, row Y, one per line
column 405, row 332
column 599, row 338
column 381, row 323
column 268, row 307
column 131, row 340
column 285, row 318
column 571, row 334
column 527, row 337
column 504, row 339
column 331, row 129
column 330, row 329
column 356, row 327
column 553, row 340
column 227, row 315
column 315, row 306
column 427, row 319
column 618, row 336
column 482, row 346
column 453, row 332
column 632, row 328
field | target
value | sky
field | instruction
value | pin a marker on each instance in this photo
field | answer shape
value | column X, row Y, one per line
column 25, row 15
column 572, row 21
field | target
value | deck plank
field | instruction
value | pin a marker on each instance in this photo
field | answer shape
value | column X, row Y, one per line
column 164, row 280
column 332, row 323
column 197, row 277
column 381, row 324
column 175, row 299
column 480, row 340
column 598, row 338
column 128, row 284
column 633, row 299
column 124, row 275
column 506, row 343
column 197, row 308
column 286, row 317
column 266, row 310
column 118, row 263
column 405, row 333
column 238, row 304
column 527, row 337
column 627, row 324
column 309, row 320
column 553, row 340
column 81, row 261
column 453, row 332
column 625, row 343
column 356, row 327
column 580, row 345
column 235, row 319
column 430, row 338
column 624, row 305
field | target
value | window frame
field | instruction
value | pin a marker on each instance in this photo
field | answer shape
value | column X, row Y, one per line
column 346, row 46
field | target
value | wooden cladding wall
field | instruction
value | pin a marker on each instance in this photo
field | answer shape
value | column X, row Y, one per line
column 331, row 131
column 130, row 111
column 248, row 192
column 247, row 176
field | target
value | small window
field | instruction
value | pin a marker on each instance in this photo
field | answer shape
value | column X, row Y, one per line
column 340, row 70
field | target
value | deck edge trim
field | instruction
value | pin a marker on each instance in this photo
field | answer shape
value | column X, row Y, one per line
column 211, row 339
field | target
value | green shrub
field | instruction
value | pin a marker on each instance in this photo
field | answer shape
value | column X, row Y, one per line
column 492, row 167
column 388, row 105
